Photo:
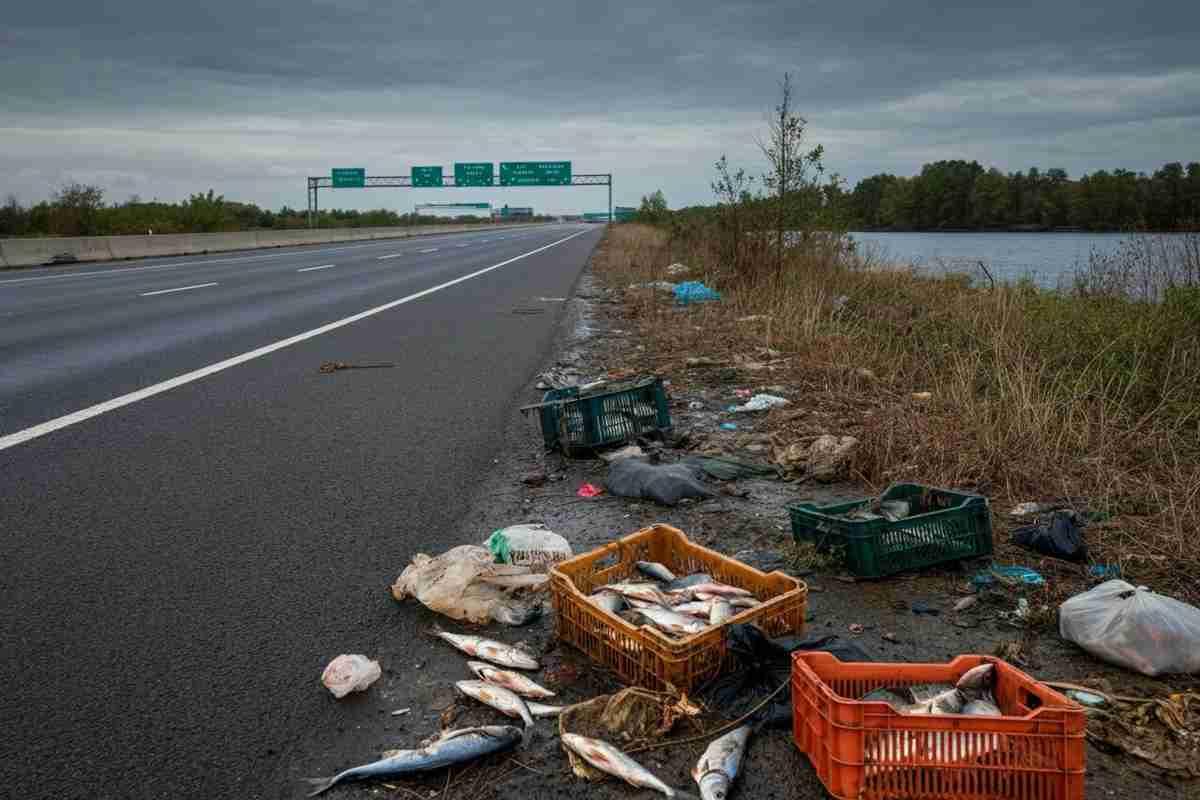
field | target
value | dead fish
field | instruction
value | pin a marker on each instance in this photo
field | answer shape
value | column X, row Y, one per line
column 512, row 681
column 724, row 590
column 606, row 758
column 720, row 611
column 696, row 608
column 718, row 768
column 452, row 747
column 503, row 700
column 979, row 678
column 671, row 622
column 646, row 592
column 982, row 708
column 611, row 602
column 655, row 570
column 539, row 710
column 489, row 650
column 689, row 581
column 736, row 602
column 639, row 604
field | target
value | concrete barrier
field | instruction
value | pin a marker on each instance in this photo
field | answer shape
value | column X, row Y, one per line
column 33, row 252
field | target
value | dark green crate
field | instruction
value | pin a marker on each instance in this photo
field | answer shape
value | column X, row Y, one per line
column 610, row 414
column 957, row 525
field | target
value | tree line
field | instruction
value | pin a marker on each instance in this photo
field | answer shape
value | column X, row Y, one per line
column 80, row 210
column 949, row 195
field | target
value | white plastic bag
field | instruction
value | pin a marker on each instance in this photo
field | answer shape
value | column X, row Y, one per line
column 528, row 546
column 350, row 673
column 1134, row 628
column 464, row 583
column 762, row 402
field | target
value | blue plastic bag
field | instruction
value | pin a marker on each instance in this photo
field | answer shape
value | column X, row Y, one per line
column 694, row 292
column 1023, row 574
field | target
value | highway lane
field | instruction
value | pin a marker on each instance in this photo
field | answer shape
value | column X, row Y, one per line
column 71, row 339
column 179, row 570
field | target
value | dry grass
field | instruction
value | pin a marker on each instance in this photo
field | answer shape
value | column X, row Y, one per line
column 1035, row 396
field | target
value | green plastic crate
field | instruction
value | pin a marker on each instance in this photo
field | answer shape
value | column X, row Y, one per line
column 956, row 525
column 610, row 414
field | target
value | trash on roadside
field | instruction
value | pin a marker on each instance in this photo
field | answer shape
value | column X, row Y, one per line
column 1105, row 571
column 534, row 479
column 921, row 608
column 662, row 483
column 761, row 402
column 336, row 366
column 1087, row 699
column 1008, row 575
column 703, row 361
column 829, row 457
column 400, row 712
column 678, row 269
column 694, row 292
column 661, row 286
column 1134, row 628
column 966, row 603
column 972, row 695
column 588, row 490
column 922, row 397
column 1059, row 535
column 754, row 318
column 1028, row 509
column 350, row 673
column 610, row 456
column 448, row 749
column 528, row 545
column 729, row 426
column 465, row 583
column 505, row 655
column 695, row 405
column 856, row 628
column 575, row 418
column 729, row 469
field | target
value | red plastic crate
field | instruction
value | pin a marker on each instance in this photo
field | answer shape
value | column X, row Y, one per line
column 870, row 751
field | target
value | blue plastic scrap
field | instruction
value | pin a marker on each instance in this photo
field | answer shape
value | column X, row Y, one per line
column 694, row 292
column 1023, row 574
column 1105, row 571
column 729, row 426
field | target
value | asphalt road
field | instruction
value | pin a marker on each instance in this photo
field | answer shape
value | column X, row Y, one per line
column 180, row 564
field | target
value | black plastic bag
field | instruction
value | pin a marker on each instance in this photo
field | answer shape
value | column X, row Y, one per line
column 763, row 665
column 1060, row 536
column 663, row 483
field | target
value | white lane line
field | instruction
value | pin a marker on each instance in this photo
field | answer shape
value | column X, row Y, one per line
column 323, row 266
column 389, row 255
column 177, row 289
column 430, row 250
column 468, row 244
column 20, row 437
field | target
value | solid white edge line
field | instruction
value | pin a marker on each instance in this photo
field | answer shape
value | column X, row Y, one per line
column 178, row 289
column 310, row 269
column 20, row 437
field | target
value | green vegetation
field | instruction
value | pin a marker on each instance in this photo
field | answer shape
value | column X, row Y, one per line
column 78, row 210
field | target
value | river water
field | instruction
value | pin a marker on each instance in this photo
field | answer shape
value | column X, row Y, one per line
column 1047, row 258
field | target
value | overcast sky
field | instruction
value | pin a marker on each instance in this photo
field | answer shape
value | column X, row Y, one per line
column 163, row 98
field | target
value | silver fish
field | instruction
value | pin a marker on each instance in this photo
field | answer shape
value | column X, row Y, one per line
column 647, row 592
column 720, row 611
column 689, row 581
column 696, row 608
column 539, row 710
column 725, row 590
column 735, row 601
column 978, row 678
column 512, row 681
column 671, row 622
column 489, row 650
column 499, row 698
column 611, row 602
column 718, row 768
column 655, row 570
column 606, row 758
column 452, row 747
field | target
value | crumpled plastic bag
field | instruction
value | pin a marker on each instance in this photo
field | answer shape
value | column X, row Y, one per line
column 761, row 402
column 1132, row 627
column 663, row 483
column 350, row 673
column 464, row 583
column 1059, row 535
column 694, row 292
column 528, row 545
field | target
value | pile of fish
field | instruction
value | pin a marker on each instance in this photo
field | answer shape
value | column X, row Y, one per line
column 972, row 695
column 676, row 606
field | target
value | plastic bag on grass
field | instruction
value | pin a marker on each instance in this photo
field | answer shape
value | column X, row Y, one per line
column 350, row 673
column 465, row 583
column 1132, row 627
column 528, row 546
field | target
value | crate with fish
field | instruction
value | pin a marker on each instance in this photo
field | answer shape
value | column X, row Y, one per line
column 581, row 418
column 976, row 727
column 653, row 607
column 908, row 527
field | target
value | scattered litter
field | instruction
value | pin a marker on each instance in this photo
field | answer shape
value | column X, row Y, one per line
column 678, row 269
column 729, row 426
column 1134, row 628
column 663, row 483
column 829, row 457
column 534, row 479
column 965, row 603
column 350, row 673
column 865, row 374
column 922, row 397
column 334, row 366
column 1089, row 699
column 588, row 490
column 694, row 292
column 703, row 361
column 633, row 715
column 1105, row 571
column 1010, row 575
column 743, row 392
column 528, row 545
column 919, row 608
column 1026, row 509
column 465, row 583
column 695, row 405
column 761, row 402
column 1060, row 535
column 661, row 286
column 888, row 636
column 729, row 469
column 552, row 299
column 625, row 452
column 754, row 318
column 856, row 628
column 400, row 712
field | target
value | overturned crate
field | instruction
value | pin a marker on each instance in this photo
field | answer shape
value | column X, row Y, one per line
column 944, row 525
column 643, row 655
column 867, row 750
column 584, row 418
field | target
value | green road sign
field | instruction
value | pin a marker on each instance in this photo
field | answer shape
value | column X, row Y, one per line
column 535, row 173
column 474, row 173
column 349, row 177
column 426, row 176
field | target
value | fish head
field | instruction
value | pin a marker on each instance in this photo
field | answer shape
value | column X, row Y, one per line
column 713, row 785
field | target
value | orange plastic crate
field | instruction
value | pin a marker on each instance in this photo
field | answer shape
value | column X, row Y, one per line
column 869, row 750
column 643, row 655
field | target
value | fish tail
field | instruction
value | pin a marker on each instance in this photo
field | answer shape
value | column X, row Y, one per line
column 320, row 785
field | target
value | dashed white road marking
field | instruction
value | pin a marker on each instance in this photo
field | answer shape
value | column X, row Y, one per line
column 323, row 266
column 178, row 289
